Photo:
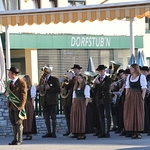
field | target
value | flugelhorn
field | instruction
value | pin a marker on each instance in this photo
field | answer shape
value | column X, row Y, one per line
column 95, row 79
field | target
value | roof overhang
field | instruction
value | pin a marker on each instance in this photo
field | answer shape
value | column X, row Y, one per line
column 138, row 9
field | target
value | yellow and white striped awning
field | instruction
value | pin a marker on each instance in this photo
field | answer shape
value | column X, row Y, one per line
column 102, row 12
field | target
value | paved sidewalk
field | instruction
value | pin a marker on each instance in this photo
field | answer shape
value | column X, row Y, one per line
column 116, row 142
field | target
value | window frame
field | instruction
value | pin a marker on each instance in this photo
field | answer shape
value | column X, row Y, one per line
column 84, row 1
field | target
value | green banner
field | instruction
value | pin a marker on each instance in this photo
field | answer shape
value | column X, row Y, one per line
column 46, row 41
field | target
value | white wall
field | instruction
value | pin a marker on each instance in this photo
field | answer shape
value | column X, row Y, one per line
column 62, row 3
column 147, row 45
column 29, row 4
column 103, row 28
column 46, row 4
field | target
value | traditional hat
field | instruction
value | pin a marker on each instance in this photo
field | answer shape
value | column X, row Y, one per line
column 120, row 71
column 101, row 67
column 127, row 71
column 14, row 70
column 76, row 66
column 145, row 68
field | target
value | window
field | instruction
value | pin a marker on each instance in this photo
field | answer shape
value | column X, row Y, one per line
column 34, row 4
column 9, row 5
column 147, row 23
column 2, row 5
column 76, row 3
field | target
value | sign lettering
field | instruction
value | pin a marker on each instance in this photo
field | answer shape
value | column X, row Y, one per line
column 90, row 41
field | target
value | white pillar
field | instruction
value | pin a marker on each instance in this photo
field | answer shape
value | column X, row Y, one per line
column 8, row 62
column 132, row 46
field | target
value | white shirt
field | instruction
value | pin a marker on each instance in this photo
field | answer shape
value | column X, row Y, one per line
column 14, row 80
column 33, row 91
column 103, row 77
column 143, row 81
column 86, row 92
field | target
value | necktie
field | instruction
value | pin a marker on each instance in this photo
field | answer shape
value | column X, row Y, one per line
column 11, row 84
column 101, row 79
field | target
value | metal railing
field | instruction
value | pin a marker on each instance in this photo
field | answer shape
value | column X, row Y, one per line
column 38, row 108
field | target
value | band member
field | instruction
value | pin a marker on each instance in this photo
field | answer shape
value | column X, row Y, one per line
column 67, row 86
column 134, row 102
column 17, row 91
column 117, row 106
column 30, row 123
column 81, row 95
column 76, row 69
column 103, row 100
column 122, row 99
column 49, row 101
column 145, row 71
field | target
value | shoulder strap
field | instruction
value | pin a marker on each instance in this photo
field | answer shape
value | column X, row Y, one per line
column 139, row 77
column 129, row 77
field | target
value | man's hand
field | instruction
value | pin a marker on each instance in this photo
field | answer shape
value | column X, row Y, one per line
column 19, row 108
column 47, row 87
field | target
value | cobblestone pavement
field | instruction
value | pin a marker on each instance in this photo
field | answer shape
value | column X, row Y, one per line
column 116, row 142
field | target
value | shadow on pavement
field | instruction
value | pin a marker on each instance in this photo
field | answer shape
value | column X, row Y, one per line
column 136, row 148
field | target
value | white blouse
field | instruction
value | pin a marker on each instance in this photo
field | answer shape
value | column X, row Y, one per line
column 143, row 81
column 33, row 91
column 86, row 92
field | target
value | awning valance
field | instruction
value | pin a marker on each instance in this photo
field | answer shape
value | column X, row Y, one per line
column 91, row 13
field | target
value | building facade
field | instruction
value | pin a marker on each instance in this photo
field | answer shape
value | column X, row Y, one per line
column 62, row 45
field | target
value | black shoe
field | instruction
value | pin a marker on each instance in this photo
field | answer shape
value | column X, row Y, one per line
column 128, row 135
column 134, row 136
column 123, row 133
column 66, row 134
column 117, row 131
column 81, row 137
column 139, row 136
column 101, row 136
column 18, row 143
column 148, row 134
column 47, row 135
column 113, row 129
column 75, row 136
column 107, row 135
column 13, row 142
column 53, row 135
column 28, row 138
column 96, row 134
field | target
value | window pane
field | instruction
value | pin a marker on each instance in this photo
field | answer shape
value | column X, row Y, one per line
column 75, row 3
column 2, row 8
column 34, row 4
column 12, row 4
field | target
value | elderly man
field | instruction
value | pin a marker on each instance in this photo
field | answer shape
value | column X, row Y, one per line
column 49, row 100
column 17, row 91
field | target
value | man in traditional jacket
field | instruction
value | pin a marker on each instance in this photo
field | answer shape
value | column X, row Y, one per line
column 17, row 95
column 49, row 101
column 103, row 100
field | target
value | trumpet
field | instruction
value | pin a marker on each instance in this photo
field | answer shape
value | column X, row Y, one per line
column 95, row 79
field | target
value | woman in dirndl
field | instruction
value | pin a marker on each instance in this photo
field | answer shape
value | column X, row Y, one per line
column 81, row 95
column 136, row 85
column 30, row 123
